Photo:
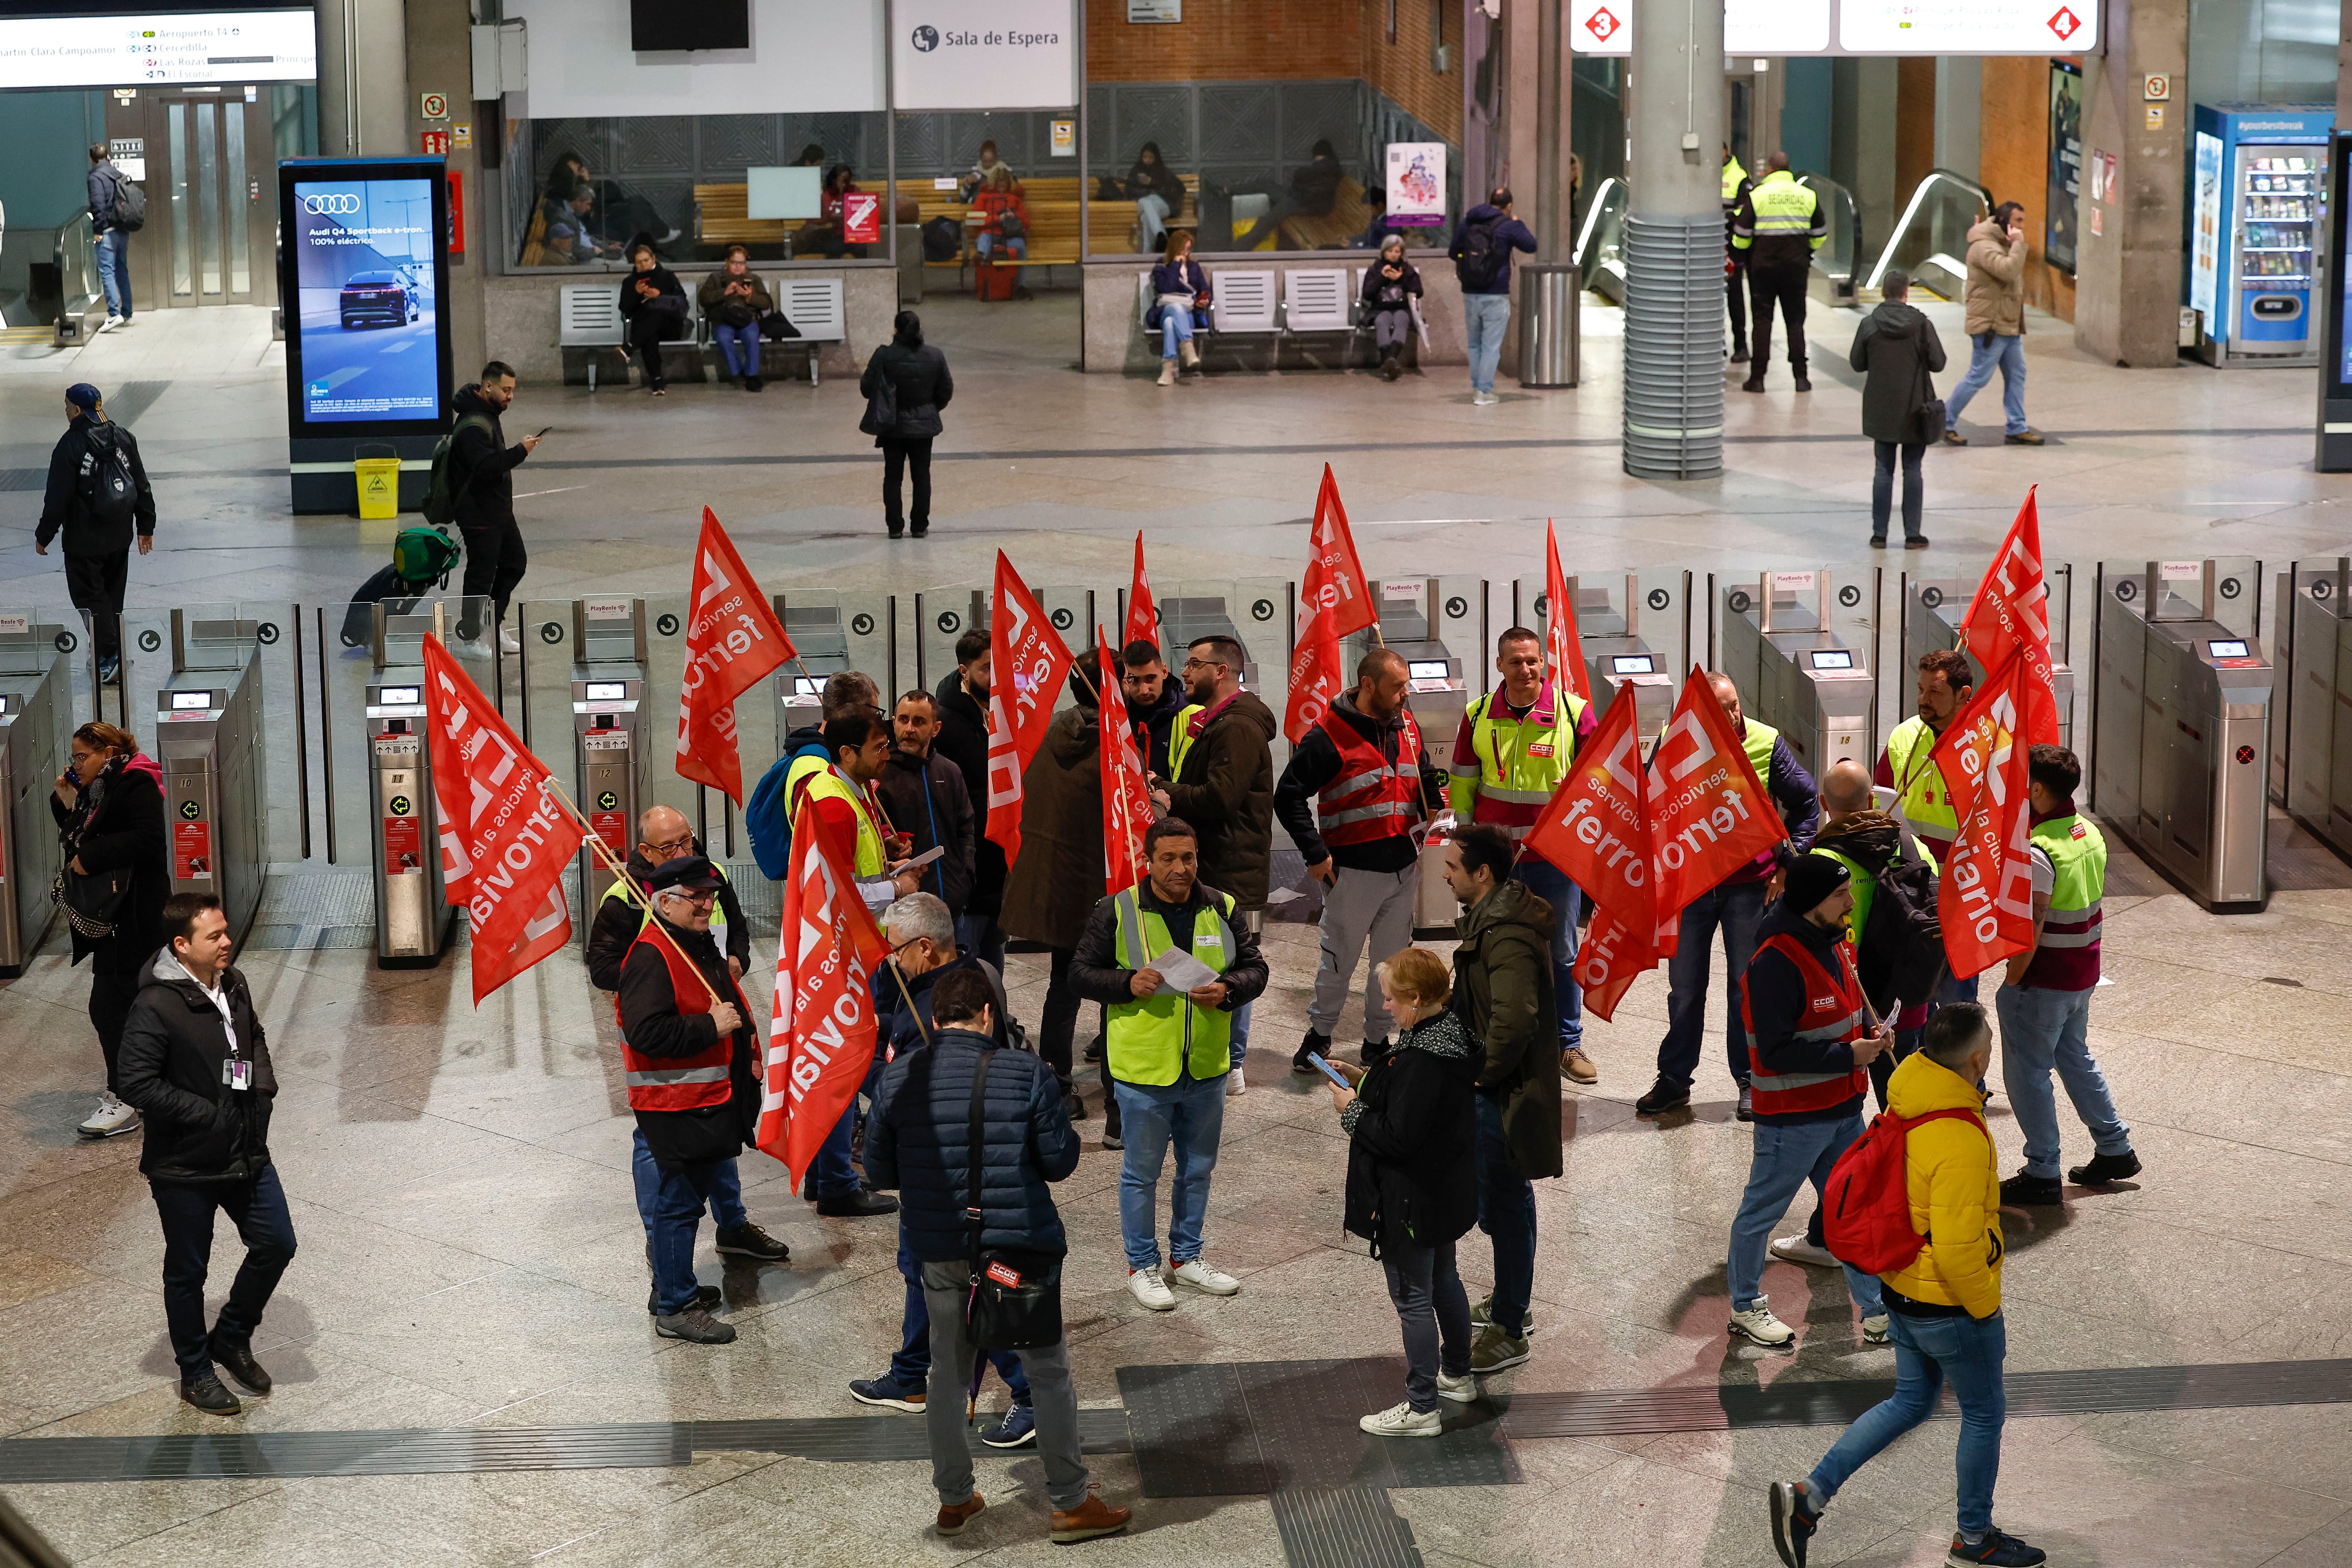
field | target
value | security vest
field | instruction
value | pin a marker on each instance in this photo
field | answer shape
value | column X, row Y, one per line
column 1920, row 793
column 1757, row 742
column 1734, row 177
column 1784, row 211
column 1520, row 761
column 1147, row 1038
column 1833, row 1012
column 1370, row 797
column 2068, row 957
column 824, row 781
column 620, row 891
column 693, row 1082
column 1180, row 736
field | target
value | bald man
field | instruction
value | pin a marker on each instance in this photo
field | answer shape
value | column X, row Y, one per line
column 663, row 834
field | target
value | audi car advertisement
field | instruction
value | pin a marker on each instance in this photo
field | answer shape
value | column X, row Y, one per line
column 364, row 345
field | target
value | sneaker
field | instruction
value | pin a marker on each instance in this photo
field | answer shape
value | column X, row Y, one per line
column 1482, row 1315
column 1484, row 400
column 1094, row 1051
column 1579, row 1066
column 1757, row 1323
column 1797, row 1249
column 1954, row 438
column 1792, row 1527
column 1111, row 1140
column 112, row 1116
column 705, row 1296
column 863, row 1204
column 1493, row 1350
column 954, row 1516
column 695, row 1324
column 886, row 1393
column 204, row 1392
column 1235, row 1086
column 2025, row 438
column 110, row 324
column 1389, row 369
column 1462, row 1390
column 109, row 670
column 1746, row 1109
column 2023, row 1191
column 747, row 1240
column 248, row 1372
column 1665, row 1095
column 1402, row 1420
column 2104, row 1168
column 1019, row 1427
column 1996, row 1550
column 752, row 383
column 1091, row 1518
column 1146, row 1286
column 1874, row 1330
column 1197, row 1274
column 1317, row 1043
column 509, row 642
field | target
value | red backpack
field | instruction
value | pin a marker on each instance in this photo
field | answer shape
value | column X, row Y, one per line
column 1867, row 1209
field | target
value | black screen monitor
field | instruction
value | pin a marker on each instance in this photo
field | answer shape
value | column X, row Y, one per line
column 364, row 269
column 690, row 24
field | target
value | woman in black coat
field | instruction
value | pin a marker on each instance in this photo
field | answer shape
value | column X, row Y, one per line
column 108, row 806
column 1897, row 351
column 916, row 375
column 654, row 303
column 1391, row 286
column 1411, row 1126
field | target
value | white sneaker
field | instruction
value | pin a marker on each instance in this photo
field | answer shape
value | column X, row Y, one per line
column 1235, row 1087
column 1484, row 400
column 111, row 1117
column 1797, row 1249
column 1873, row 1331
column 110, row 324
column 1402, row 1420
column 509, row 642
column 1201, row 1277
column 1759, row 1324
column 1462, row 1390
column 1145, row 1286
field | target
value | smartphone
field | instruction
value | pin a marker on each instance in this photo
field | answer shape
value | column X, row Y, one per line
column 1329, row 1071
column 541, row 433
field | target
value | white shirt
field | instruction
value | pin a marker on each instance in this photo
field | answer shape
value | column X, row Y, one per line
column 218, row 995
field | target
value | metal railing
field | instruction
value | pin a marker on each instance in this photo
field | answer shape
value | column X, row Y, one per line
column 1839, row 257
column 1601, row 242
column 78, row 287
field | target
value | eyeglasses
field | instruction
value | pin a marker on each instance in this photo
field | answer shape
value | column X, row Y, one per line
column 674, row 848
column 702, row 898
column 1204, row 664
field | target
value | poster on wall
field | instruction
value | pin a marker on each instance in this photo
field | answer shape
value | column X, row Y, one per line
column 367, row 349
column 1416, row 184
column 2061, row 226
column 108, row 45
column 985, row 54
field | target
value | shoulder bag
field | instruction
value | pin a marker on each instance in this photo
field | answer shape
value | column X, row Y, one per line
column 92, row 900
column 882, row 408
column 1015, row 1302
column 1932, row 418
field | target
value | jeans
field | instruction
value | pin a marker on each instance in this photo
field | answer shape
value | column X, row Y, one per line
column 726, row 1189
column 258, row 1209
column 1055, row 1398
column 900, row 454
column 1152, row 217
column 832, row 1174
column 1882, row 488
column 2043, row 1029
column 1484, row 318
column 2006, row 351
column 1237, row 1041
column 682, row 1192
column 1175, row 327
column 1789, row 1154
column 1434, row 1313
column 739, row 349
column 1928, row 1352
column 1190, row 1114
column 1738, row 908
column 1507, row 1213
column 1550, row 883
column 114, row 271
column 986, row 243
column 980, row 935
column 910, row 1365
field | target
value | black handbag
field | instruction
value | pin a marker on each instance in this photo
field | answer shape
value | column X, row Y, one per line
column 92, row 900
column 1932, row 417
column 882, row 408
column 775, row 326
column 1015, row 1302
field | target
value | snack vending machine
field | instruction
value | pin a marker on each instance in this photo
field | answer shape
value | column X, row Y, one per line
column 2258, row 236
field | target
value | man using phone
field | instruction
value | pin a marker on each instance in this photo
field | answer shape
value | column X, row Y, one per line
column 1995, row 323
column 481, row 480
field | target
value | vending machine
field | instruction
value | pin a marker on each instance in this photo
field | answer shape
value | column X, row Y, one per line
column 2258, row 231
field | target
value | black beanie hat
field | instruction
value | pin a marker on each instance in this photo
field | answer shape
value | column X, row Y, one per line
column 1812, row 878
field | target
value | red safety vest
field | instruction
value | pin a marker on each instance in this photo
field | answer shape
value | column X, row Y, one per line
column 1833, row 1011
column 679, row 1082
column 1370, row 797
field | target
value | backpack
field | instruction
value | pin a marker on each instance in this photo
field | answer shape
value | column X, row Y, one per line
column 108, row 493
column 1901, row 955
column 422, row 557
column 943, row 240
column 767, row 815
column 1480, row 263
column 440, row 501
column 130, row 213
column 1866, row 1207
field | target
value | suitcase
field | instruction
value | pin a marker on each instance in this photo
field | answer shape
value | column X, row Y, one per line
column 385, row 587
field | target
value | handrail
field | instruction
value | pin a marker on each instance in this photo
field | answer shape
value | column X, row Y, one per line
column 1594, row 214
column 1819, row 183
column 77, row 261
column 1918, row 195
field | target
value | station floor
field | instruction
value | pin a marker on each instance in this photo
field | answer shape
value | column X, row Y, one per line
column 464, row 1372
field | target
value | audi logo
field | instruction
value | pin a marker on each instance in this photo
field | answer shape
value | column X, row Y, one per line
column 332, row 205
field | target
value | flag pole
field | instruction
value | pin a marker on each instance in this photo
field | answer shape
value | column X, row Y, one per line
column 603, row 853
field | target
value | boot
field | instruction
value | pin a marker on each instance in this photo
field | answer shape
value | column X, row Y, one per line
column 1797, row 370
column 1189, row 356
column 1167, row 372
column 1739, row 350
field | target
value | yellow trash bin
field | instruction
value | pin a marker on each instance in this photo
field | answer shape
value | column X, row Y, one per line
column 379, row 482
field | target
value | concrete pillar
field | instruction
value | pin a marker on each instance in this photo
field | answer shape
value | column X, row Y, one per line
column 1959, row 106
column 2127, row 269
column 440, row 58
column 1863, row 141
column 1674, row 243
column 363, row 103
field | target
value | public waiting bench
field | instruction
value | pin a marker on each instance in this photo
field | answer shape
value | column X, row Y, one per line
column 590, row 317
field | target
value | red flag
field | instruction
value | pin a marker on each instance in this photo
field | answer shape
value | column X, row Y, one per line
column 1336, row 604
column 1596, row 828
column 733, row 639
column 1710, row 814
column 504, row 839
column 2011, row 611
column 821, row 1035
column 1561, row 644
column 1029, row 661
column 1126, row 794
column 1142, row 609
column 1318, row 677
column 1984, row 896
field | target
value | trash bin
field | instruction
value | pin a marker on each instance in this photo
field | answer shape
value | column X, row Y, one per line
column 379, row 483
column 1549, row 293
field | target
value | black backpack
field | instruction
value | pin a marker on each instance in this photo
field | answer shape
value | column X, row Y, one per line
column 109, row 494
column 1902, row 949
column 943, row 240
column 130, row 213
column 1480, row 263
column 441, row 498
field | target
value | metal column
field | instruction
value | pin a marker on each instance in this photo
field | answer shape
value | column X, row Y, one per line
column 1674, row 245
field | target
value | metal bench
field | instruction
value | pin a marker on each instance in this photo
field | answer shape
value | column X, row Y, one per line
column 813, row 304
column 1317, row 301
column 590, row 317
column 1243, row 300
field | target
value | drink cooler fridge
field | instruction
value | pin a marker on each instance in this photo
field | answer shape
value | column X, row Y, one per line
column 2260, row 201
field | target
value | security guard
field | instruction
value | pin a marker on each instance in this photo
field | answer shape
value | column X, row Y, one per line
column 1736, row 185
column 1513, row 747
column 1779, row 223
column 663, row 834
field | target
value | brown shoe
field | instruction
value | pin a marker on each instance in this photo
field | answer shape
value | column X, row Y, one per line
column 1579, row 1066
column 1091, row 1518
column 2024, row 438
column 954, row 1516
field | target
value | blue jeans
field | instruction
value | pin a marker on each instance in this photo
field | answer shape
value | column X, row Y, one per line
column 1929, row 1351
column 1788, row 1156
column 1992, row 349
column 739, row 349
column 1550, row 883
column 258, row 1209
column 683, row 1191
column 726, row 1189
column 1175, row 327
column 1484, row 318
column 114, row 271
column 1738, row 909
column 910, row 1365
column 1239, row 1041
column 981, row 936
column 986, row 244
column 2042, row 1030
column 1507, row 1213
column 832, row 1174
column 1190, row 1114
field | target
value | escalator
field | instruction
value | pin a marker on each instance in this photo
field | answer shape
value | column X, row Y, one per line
column 1930, row 240
column 1601, row 240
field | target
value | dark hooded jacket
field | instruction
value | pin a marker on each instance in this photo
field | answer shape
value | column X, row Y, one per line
column 86, row 443
column 1315, row 762
column 199, row 1130
column 1058, row 875
column 1152, row 725
column 962, row 739
column 653, row 1025
column 1503, row 989
column 919, row 1141
column 618, row 921
column 1896, row 350
column 1225, row 790
column 1412, row 1136
column 481, row 464
column 927, row 801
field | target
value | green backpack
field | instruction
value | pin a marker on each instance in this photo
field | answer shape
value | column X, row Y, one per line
column 422, row 557
column 441, row 501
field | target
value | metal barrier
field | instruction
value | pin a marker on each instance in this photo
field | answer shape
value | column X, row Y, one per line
column 36, row 696
column 611, row 734
column 2311, row 740
column 1936, row 607
column 209, row 726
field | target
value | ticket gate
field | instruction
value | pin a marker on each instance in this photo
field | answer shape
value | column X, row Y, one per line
column 609, row 727
column 1609, row 631
column 1796, row 675
column 2316, row 776
column 35, row 697
column 413, row 919
column 1936, row 608
column 1184, row 621
column 2181, row 720
column 208, row 727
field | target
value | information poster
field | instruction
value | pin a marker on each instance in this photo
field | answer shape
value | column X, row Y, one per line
column 1416, row 184
column 365, row 248
column 2061, row 227
column 2205, row 236
column 97, row 50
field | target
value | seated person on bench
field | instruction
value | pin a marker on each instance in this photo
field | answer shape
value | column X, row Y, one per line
column 1178, row 287
column 1158, row 193
column 734, row 299
column 654, row 302
column 1004, row 223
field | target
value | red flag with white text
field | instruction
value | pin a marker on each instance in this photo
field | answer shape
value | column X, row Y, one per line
column 1142, row 609
column 821, row 1033
column 505, row 842
column 1561, row 644
column 1029, row 661
column 733, row 639
column 1985, row 894
column 2011, row 611
column 1126, row 793
column 1336, row 603
column 1596, row 828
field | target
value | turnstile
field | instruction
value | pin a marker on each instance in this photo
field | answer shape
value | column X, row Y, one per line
column 2181, row 724
column 36, row 692
column 208, row 726
column 1609, row 631
column 2314, row 632
column 1411, row 612
column 833, row 635
column 1186, row 619
column 413, row 919
column 1935, row 610
column 609, row 727
column 1796, row 675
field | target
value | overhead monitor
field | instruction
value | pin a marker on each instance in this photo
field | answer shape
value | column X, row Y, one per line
column 366, row 266
column 104, row 42
column 657, row 25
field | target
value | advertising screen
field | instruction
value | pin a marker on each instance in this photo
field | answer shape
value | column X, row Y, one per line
column 114, row 48
column 2337, row 384
column 366, row 352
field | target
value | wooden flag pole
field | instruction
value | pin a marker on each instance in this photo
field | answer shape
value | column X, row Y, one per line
column 603, row 853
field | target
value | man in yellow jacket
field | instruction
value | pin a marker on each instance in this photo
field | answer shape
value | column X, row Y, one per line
column 1944, row 1307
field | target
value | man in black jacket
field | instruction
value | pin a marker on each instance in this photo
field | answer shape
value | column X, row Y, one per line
column 1365, row 854
column 98, row 495
column 962, row 739
column 920, row 1142
column 1153, row 701
column 113, row 241
column 197, row 1065
column 481, row 479
column 925, row 796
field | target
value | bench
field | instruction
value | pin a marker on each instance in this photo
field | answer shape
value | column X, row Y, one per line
column 1294, row 303
column 589, row 317
column 813, row 304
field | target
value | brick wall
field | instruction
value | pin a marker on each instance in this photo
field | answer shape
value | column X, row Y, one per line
column 1229, row 40
column 1401, row 70
column 2013, row 162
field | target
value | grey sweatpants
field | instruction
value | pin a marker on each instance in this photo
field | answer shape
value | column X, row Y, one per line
column 1360, row 906
column 1057, row 1405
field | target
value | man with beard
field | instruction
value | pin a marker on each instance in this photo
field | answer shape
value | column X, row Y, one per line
column 925, row 796
column 1946, row 681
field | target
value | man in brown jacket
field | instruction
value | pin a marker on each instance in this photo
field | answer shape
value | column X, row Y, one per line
column 1996, row 323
